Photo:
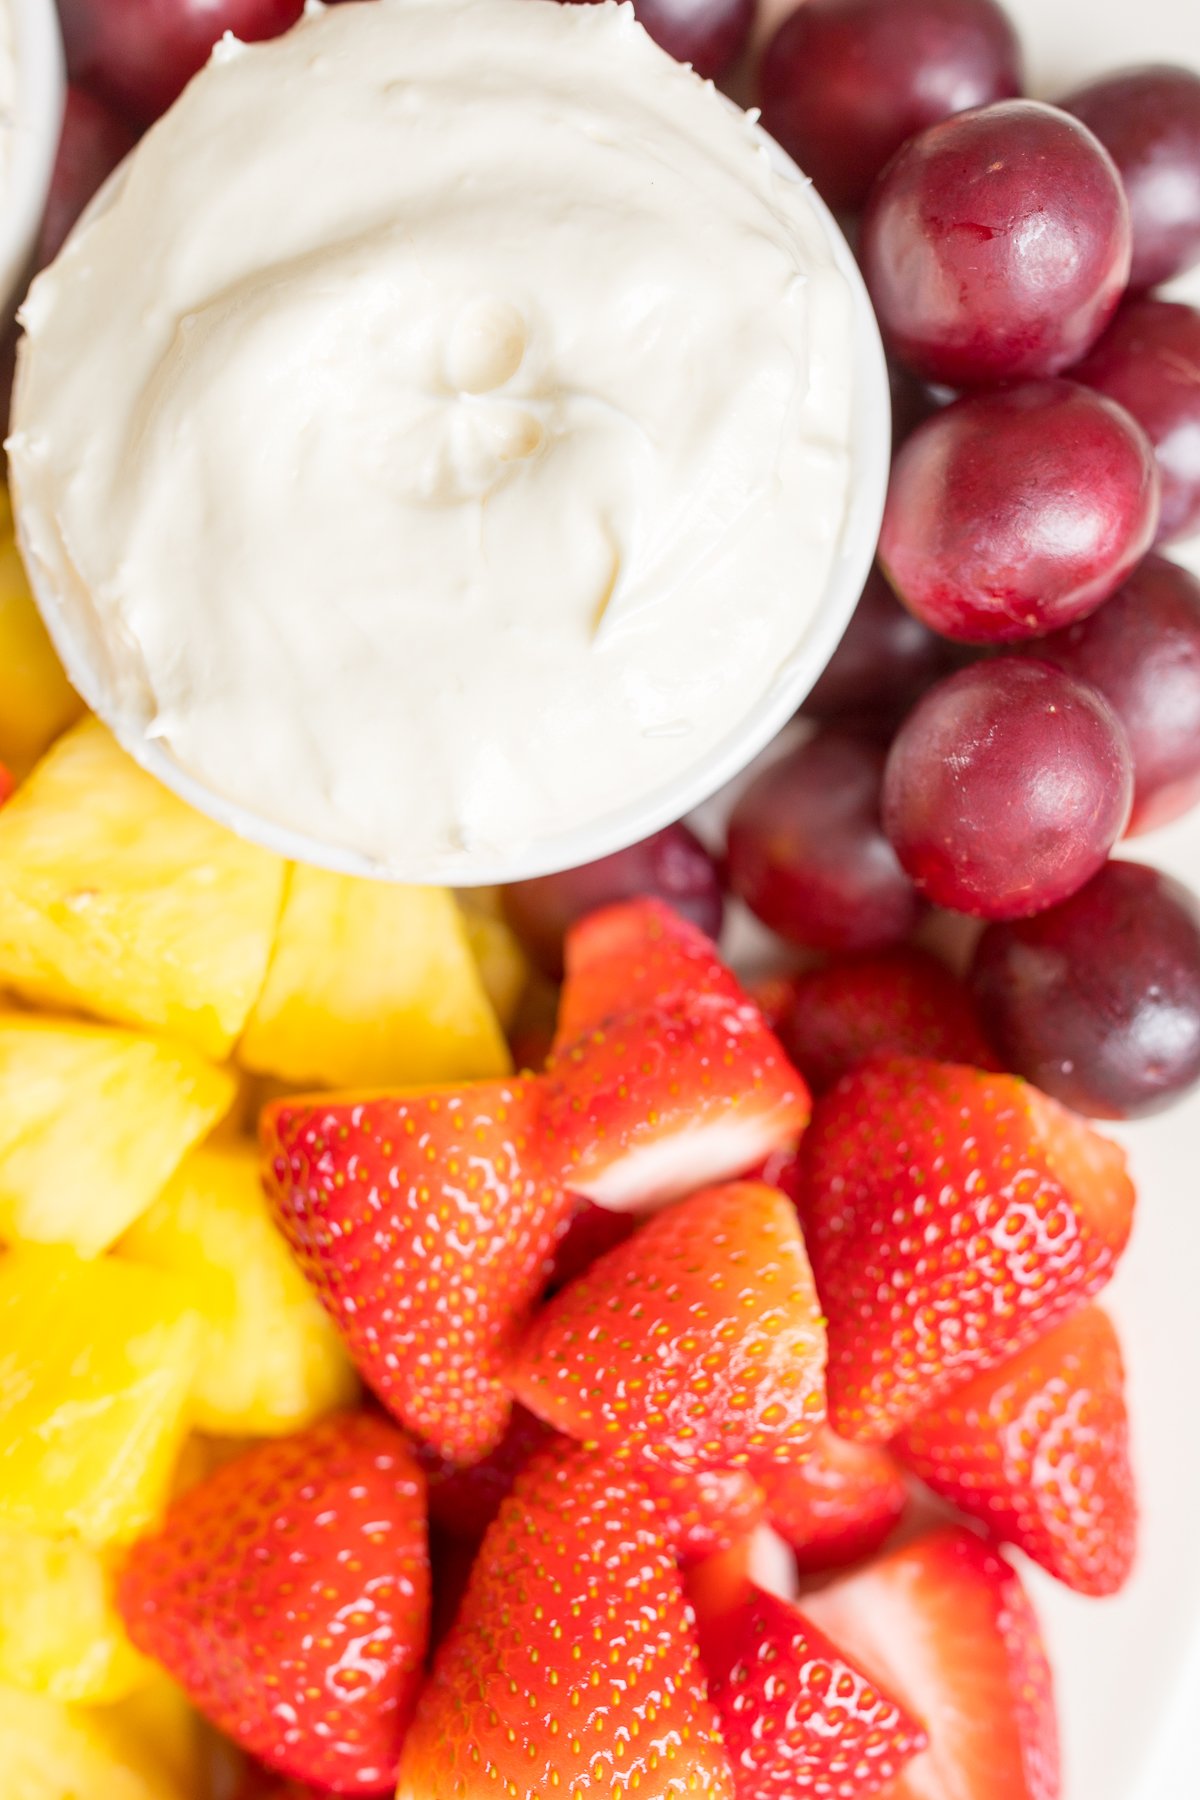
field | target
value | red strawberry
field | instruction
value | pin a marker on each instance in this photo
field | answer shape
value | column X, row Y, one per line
column 837, row 1507
column 425, row 1223
column 720, row 1584
column 705, row 1512
column 796, row 1715
column 636, row 954
column 897, row 1003
column 289, row 1595
column 260, row 1784
column 464, row 1498
column 664, row 1100
column 698, row 1344
column 573, row 1665
column 952, row 1217
column 1039, row 1450
column 590, row 1232
column 945, row 1625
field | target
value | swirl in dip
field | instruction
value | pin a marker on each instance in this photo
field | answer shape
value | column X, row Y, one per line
column 439, row 435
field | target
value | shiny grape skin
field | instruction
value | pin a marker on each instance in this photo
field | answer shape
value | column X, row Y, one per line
column 1012, row 514
column 1148, row 361
column 885, row 661
column 807, row 853
column 1097, row 1001
column 1142, row 650
column 708, row 34
column 1148, row 119
column 672, row 864
column 996, row 245
column 1006, row 787
column 844, row 83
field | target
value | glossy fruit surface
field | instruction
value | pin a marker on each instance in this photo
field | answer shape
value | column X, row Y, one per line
column 807, row 851
column 1142, row 650
column 885, row 661
column 1098, row 1000
column 838, row 1505
column 996, row 245
column 1148, row 361
column 1011, row 514
column 1006, row 788
column 1148, row 119
column 844, row 83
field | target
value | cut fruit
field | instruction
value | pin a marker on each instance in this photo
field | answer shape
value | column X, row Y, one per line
column 163, row 1728
column 952, row 1217
column 504, row 969
column 96, row 1363
column 371, row 983
column 271, row 1360
column 93, row 1122
column 698, row 1345
column 54, row 1752
column 946, row 1626
column 639, row 953
column 118, row 900
column 1038, row 1450
column 37, row 702
column 60, row 1633
column 837, row 1506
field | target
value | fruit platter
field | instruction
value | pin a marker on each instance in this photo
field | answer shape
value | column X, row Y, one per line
column 599, row 899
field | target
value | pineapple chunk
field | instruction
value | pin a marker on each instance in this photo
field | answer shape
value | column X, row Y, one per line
column 97, row 1360
column 161, row 1728
column 37, row 702
column 119, row 900
column 93, row 1122
column 371, row 983
column 501, row 962
column 54, row 1752
column 60, row 1633
column 270, row 1359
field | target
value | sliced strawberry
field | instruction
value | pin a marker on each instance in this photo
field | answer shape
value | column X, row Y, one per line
column 573, row 1665
column 636, row 954
column 698, row 1344
column 663, row 1100
column 720, row 1584
column 705, row 1512
column 289, row 1595
column 898, row 1003
column 839, row 1505
column 945, row 1625
column 1039, row 1450
column 952, row 1217
column 796, row 1715
column 426, row 1224
column 464, row 1498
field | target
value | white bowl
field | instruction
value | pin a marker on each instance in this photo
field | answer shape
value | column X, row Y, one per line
column 33, row 131
column 870, row 452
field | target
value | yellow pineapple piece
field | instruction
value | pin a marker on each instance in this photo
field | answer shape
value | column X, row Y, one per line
column 93, row 1122
column 60, row 1633
column 37, row 702
column 161, row 1728
column 117, row 899
column 270, row 1359
column 97, row 1361
column 53, row 1752
column 371, row 983
column 502, row 964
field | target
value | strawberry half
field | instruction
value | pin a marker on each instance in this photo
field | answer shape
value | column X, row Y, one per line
column 1038, row 1449
column 573, row 1666
column 839, row 1505
column 636, row 954
column 952, row 1217
column 425, row 1223
column 662, row 1100
column 289, row 1595
column 796, row 1715
column 945, row 1625
column 705, row 1512
column 698, row 1344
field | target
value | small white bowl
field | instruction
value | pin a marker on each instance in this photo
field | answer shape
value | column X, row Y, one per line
column 33, row 129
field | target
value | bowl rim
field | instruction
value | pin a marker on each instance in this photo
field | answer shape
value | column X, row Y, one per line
column 35, row 126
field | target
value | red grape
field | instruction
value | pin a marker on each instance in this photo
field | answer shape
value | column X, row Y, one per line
column 807, row 852
column 1149, row 362
column 1148, row 119
column 845, row 82
column 1142, row 650
column 709, row 34
column 93, row 141
column 1098, row 1000
column 1011, row 514
column 1006, row 788
column 885, row 660
column 139, row 54
column 996, row 245
column 673, row 864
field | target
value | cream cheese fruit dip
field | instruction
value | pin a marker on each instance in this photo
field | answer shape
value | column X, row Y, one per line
column 439, row 435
